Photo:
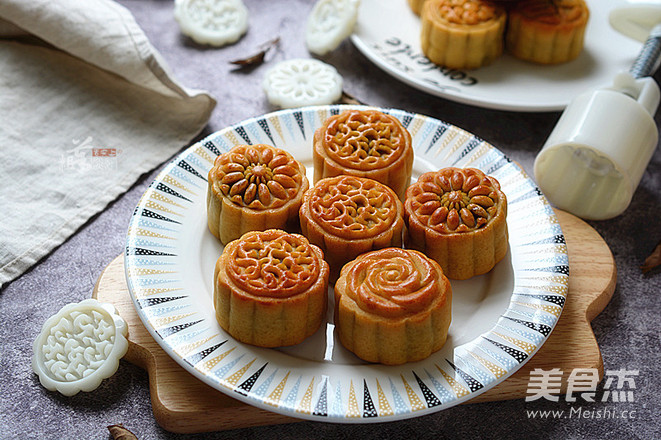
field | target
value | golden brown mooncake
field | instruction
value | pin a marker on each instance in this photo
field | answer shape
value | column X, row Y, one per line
column 457, row 216
column 271, row 288
column 347, row 215
column 547, row 32
column 364, row 143
column 416, row 5
column 462, row 34
column 253, row 188
column 393, row 306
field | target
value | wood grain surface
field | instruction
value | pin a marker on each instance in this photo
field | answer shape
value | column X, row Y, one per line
column 184, row 404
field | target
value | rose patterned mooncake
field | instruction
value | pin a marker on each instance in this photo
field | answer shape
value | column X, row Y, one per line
column 393, row 306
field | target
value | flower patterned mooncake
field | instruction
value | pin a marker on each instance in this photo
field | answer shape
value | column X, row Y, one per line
column 458, row 217
column 547, row 32
column 393, row 306
column 271, row 288
column 253, row 188
column 364, row 143
column 346, row 216
column 462, row 34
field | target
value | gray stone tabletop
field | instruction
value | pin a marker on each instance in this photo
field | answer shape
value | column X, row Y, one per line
column 628, row 330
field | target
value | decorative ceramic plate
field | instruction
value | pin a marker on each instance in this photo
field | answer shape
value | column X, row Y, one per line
column 499, row 319
column 388, row 33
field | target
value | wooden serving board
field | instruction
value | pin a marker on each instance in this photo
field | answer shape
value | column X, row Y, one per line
column 184, row 404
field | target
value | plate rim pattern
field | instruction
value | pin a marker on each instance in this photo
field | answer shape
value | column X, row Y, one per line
column 324, row 391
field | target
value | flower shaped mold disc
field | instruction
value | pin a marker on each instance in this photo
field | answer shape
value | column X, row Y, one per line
column 330, row 22
column 214, row 22
column 302, row 82
column 79, row 346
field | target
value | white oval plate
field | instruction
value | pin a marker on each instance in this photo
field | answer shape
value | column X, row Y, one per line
column 499, row 319
column 388, row 33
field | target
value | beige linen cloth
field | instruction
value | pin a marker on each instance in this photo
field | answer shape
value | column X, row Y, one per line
column 82, row 116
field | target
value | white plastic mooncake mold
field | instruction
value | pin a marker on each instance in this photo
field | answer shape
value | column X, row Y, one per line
column 302, row 82
column 330, row 22
column 213, row 22
column 79, row 346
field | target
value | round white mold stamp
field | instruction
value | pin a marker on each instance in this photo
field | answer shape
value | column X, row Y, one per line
column 212, row 22
column 329, row 23
column 79, row 346
column 302, row 82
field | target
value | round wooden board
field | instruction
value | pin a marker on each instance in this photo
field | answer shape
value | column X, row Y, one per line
column 184, row 404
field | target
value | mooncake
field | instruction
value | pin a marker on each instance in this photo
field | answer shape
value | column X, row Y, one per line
column 253, row 188
column 347, row 215
column 392, row 306
column 364, row 143
column 547, row 32
column 271, row 288
column 457, row 216
column 416, row 5
column 462, row 34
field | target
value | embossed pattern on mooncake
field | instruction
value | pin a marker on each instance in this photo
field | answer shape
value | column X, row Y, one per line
column 457, row 216
column 353, row 208
column 273, row 264
column 454, row 200
column 393, row 283
column 364, row 143
column 253, row 187
column 258, row 176
column 393, row 306
column 271, row 288
column 364, row 140
column 347, row 215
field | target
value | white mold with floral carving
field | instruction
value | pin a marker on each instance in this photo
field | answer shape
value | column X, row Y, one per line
column 302, row 82
column 329, row 23
column 79, row 346
column 213, row 22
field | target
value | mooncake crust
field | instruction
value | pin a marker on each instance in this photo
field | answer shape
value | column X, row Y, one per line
column 462, row 34
column 416, row 6
column 392, row 306
column 271, row 288
column 346, row 216
column 457, row 216
column 364, row 143
column 547, row 32
column 252, row 188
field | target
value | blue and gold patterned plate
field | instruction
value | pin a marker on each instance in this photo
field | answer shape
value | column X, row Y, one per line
column 499, row 319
